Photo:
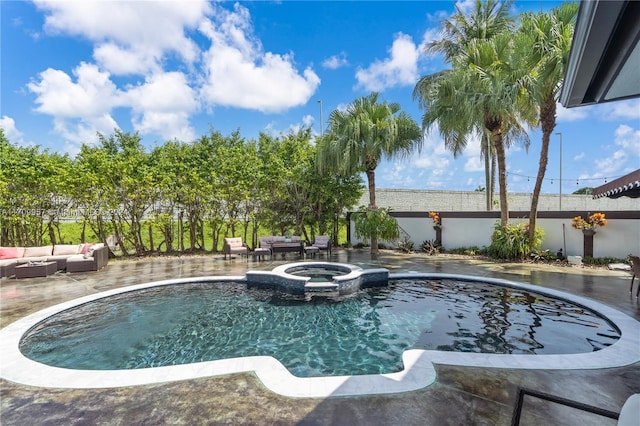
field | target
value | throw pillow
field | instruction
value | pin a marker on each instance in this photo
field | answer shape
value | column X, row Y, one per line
column 89, row 253
column 8, row 252
column 85, row 248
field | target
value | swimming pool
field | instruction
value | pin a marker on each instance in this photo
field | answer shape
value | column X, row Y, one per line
column 363, row 333
column 415, row 363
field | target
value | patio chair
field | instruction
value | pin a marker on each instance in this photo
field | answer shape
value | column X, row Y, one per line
column 635, row 270
column 323, row 242
column 234, row 245
column 627, row 416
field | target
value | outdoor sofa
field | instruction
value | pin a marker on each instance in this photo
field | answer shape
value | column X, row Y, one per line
column 82, row 257
column 280, row 244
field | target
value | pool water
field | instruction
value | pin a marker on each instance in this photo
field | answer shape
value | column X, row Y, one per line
column 363, row 333
column 318, row 274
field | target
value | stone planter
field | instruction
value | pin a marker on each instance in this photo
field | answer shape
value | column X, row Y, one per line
column 587, row 245
column 438, row 229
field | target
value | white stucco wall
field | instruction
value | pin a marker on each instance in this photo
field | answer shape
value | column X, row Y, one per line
column 619, row 238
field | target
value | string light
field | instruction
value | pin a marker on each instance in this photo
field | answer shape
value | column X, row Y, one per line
column 578, row 180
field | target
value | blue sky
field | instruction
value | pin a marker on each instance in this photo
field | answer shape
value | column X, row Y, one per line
column 174, row 69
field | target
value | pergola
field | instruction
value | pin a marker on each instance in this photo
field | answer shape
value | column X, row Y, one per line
column 625, row 186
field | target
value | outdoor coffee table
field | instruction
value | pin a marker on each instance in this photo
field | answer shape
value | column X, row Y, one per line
column 36, row 269
column 287, row 247
column 311, row 251
column 260, row 253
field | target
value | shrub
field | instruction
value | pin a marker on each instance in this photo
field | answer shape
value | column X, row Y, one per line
column 543, row 256
column 511, row 242
column 602, row 260
column 430, row 247
column 405, row 245
column 467, row 251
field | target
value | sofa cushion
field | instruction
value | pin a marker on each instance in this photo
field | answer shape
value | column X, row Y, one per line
column 41, row 251
column 234, row 242
column 5, row 262
column 60, row 249
column 321, row 241
column 264, row 242
column 8, row 252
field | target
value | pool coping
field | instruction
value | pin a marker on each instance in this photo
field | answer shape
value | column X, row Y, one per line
column 418, row 373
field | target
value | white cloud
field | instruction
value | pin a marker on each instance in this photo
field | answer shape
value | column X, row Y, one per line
column 125, row 29
column 629, row 139
column 565, row 115
column 466, row 6
column 433, row 162
column 11, row 132
column 308, row 120
column 429, row 35
column 163, row 105
column 83, row 130
column 625, row 156
column 239, row 73
column 579, row 156
column 610, row 165
column 336, row 61
column 342, row 107
column 395, row 176
column 399, row 69
column 474, row 162
column 621, row 110
column 121, row 61
column 80, row 108
column 93, row 94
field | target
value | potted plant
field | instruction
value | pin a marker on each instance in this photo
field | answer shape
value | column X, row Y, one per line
column 437, row 224
column 589, row 226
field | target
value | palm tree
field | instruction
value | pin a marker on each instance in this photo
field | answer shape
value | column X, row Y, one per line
column 487, row 20
column 363, row 134
column 481, row 93
column 544, row 41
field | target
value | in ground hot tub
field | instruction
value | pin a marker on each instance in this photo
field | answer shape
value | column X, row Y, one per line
column 304, row 277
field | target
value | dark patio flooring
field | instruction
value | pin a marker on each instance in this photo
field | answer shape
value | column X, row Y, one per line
column 461, row 395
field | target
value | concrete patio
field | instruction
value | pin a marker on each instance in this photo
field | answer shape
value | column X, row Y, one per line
column 460, row 395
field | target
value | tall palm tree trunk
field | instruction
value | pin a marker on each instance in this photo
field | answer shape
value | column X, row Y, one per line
column 487, row 168
column 548, row 123
column 493, row 178
column 498, row 142
column 371, row 179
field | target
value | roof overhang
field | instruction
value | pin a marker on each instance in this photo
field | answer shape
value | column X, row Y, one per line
column 625, row 186
column 604, row 62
